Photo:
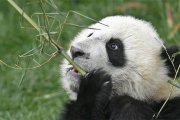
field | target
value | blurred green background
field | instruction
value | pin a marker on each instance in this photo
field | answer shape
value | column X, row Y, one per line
column 36, row 94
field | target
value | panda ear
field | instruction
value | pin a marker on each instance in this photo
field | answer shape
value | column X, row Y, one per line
column 174, row 63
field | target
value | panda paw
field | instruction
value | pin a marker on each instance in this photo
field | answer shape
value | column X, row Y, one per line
column 95, row 86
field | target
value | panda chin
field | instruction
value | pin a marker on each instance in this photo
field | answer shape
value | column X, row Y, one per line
column 73, row 77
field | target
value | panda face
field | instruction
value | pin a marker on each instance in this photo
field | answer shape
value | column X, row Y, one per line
column 126, row 48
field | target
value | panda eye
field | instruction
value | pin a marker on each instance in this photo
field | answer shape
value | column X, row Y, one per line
column 115, row 51
column 113, row 46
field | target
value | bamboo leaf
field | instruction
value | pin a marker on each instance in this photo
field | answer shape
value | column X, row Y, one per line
column 175, row 83
column 46, row 36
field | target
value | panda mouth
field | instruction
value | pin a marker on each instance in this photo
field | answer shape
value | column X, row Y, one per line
column 73, row 71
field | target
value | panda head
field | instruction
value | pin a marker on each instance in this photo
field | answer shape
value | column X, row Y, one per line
column 129, row 50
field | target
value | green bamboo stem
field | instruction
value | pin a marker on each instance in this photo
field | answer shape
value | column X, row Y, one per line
column 72, row 63
column 24, row 15
column 59, row 48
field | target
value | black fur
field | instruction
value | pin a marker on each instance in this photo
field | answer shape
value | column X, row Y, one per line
column 171, row 111
column 127, row 108
column 92, row 99
column 176, row 62
column 116, row 56
column 95, row 103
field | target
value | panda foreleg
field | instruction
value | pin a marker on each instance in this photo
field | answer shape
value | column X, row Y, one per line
column 92, row 98
column 128, row 108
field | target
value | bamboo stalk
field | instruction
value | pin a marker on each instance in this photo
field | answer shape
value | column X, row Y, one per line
column 59, row 48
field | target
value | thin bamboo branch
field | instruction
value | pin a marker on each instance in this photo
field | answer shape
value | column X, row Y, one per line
column 59, row 48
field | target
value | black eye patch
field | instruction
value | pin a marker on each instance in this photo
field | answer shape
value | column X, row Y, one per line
column 115, row 51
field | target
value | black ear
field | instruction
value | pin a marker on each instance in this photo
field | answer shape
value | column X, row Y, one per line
column 176, row 61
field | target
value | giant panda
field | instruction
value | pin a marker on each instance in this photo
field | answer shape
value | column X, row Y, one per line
column 128, row 69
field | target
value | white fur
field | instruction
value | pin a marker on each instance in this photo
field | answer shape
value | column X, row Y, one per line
column 144, row 77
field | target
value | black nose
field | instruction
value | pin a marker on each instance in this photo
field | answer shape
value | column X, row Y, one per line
column 76, row 52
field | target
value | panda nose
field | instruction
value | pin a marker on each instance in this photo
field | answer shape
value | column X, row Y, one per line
column 76, row 52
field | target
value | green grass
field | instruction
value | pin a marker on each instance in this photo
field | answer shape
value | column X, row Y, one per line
column 40, row 96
